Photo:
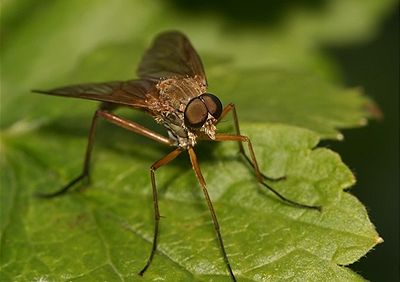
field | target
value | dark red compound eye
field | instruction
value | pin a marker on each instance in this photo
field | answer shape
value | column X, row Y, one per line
column 198, row 108
column 195, row 113
column 213, row 104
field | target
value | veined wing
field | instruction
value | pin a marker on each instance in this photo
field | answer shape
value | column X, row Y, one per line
column 131, row 93
column 171, row 55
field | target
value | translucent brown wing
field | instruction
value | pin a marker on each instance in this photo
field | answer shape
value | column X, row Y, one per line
column 131, row 93
column 171, row 54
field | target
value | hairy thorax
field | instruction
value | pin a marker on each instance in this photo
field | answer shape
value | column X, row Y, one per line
column 169, row 106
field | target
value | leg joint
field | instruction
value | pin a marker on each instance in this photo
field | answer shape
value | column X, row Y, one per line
column 245, row 139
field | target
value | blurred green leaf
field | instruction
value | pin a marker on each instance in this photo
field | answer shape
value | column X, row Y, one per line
column 46, row 42
column 293, row 98
column 273, row 73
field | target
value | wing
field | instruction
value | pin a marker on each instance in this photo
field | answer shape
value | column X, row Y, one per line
column 171, row 54
column 131, row 93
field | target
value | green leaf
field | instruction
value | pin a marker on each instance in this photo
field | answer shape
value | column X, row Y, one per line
column 104, row 233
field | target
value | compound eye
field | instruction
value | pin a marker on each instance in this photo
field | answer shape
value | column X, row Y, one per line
column 213, row 104
column 195, row 113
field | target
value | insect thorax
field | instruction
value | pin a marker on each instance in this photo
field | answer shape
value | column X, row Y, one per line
column 168, row 109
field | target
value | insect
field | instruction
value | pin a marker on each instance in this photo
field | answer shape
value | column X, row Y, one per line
column 172, row 88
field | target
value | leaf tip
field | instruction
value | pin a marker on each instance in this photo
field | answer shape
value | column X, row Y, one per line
column 339, row 136
column 379, row 240
column 374, row 111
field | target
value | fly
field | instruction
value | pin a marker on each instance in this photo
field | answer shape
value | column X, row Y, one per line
column 172, row 88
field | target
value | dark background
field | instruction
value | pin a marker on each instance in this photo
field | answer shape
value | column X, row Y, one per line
column 372, row 152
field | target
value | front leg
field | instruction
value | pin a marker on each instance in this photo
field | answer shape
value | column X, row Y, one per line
column 259, row 175
column 231, row 108
column 200, row 178
column 165, row 160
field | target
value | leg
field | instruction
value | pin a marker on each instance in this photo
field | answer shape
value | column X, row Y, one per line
column 129, row 125
column 227, row 109
column 166, row 159
column 86, row 163
column 241, row 139
column 199, row 176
